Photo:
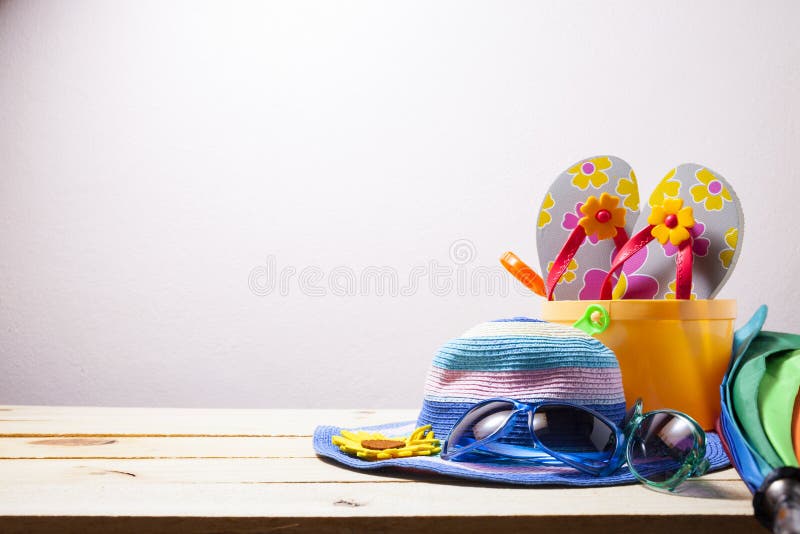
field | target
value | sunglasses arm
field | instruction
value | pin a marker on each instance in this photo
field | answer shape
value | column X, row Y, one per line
column 504, row 450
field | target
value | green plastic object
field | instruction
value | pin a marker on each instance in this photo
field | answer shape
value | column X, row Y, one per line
column 594, row 321
column 747, row 382
column 776, row 397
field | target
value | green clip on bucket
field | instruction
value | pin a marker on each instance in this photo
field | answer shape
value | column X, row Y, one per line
column 672, row 353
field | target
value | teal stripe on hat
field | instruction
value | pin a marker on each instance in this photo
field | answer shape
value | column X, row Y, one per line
column 522, row 353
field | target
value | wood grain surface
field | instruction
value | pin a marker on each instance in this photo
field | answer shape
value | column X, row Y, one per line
column 121, row 470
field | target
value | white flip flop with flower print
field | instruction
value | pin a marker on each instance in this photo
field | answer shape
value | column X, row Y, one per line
column 691, row 237
column 587, row 214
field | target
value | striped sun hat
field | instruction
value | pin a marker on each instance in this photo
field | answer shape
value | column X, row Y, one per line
column 523, row 359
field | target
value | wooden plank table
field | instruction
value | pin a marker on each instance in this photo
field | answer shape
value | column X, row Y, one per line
column 123, row 470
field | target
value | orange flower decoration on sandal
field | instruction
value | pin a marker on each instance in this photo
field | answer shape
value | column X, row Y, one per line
column 671, row 221
column 602, row 216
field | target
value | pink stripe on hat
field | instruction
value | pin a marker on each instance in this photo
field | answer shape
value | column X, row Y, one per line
column 567, row 383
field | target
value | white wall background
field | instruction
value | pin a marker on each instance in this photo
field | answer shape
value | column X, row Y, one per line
column 152, row 155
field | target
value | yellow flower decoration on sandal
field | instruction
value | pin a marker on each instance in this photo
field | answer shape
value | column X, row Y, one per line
column 590, row 171
column 622, row 286
column 670, row 295
column 666, row 188
column 544, row 216
column 731, row 239
column 629, row 189
column 602, row 216
column 376, row 446
column 710, row 191
column 671, row 222
column 569, row 274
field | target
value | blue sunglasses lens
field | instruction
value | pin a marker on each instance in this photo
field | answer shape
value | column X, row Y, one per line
column 562, row 429
column 575, row 432
column 478, row 424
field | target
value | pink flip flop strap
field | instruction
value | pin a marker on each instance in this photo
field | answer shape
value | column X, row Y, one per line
column 683, row 264
column 568, row 251
column 683, row 271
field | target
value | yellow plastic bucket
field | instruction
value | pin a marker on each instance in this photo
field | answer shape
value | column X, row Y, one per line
column 672, row 353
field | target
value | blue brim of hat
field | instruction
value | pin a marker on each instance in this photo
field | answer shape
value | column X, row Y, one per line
column 525, row 475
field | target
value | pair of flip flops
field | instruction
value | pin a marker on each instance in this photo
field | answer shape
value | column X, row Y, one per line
column 593, row 243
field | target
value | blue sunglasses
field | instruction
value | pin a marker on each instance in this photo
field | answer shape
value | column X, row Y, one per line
column 662, row 448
